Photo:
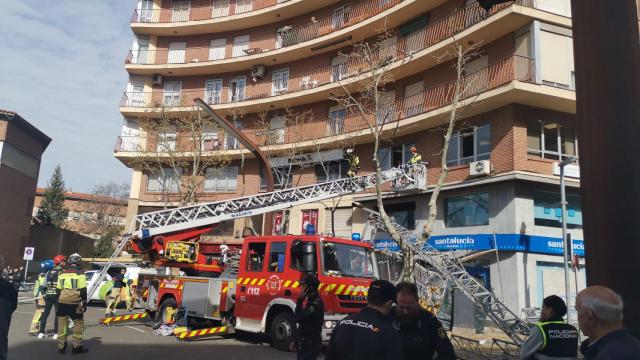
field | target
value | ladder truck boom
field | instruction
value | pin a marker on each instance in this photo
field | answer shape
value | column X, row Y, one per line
column 452, row 270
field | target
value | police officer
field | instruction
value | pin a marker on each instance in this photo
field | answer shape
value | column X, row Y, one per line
column 415, row 157
column 367, row 334
column 72, row 289
column 552, row 337
column 354, row 163
column 51, row 296
column 38, row 293
column 309, row 315
column 422, row 334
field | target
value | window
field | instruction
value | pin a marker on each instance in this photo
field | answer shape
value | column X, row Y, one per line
column 243, row 6
column 338, row 67
column 386, row 107
column 337, row 116
column 340, row 16
column 467, row 210
column 141, row 50
column 180, row 10
column 167, row 140
column 213, row 91
column 163, row 180
column 276, row 131
column 240, row 44
column 394, row 156
column 333, row 170
column 255, row 258
column 281, row 36
column 283, row 177
column 347, row 260
column 221, row 179
column 279, row 81
column 556, row 59
column 403, row 214
column 172, row 93
column 231, row 142
column 309, row 217
column 176, row 52
column 236, row 88
column 220, row 8
column 551, row 140
column 136, row 87
column 145, row 11
column 296, row 256
column 276, row 256
column 217, row 49
column 547, row 210
column 413, row 99
column 388, row 49
column 470, row 144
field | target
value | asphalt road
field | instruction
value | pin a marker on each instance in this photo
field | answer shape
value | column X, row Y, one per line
column 132, row 341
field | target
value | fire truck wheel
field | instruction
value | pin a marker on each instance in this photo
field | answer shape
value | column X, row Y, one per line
column 283, row 330
column 167, row 310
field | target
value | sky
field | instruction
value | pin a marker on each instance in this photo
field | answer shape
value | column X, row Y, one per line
column 62, row 69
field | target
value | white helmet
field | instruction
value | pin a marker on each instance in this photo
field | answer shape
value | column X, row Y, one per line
column 74, row 259
column 349, row 150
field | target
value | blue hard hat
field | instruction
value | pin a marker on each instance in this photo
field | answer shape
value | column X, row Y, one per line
column 46, row 265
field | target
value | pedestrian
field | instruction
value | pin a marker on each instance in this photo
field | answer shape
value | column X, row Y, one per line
column 421, row 333
column 309, row 315
column 8, row 304
column 368, row 334
column 600, row 318
column 551, row 337
column 415, row 156
column 51, row 296
column 39, row 290
column 116, row 294
column 72, row 289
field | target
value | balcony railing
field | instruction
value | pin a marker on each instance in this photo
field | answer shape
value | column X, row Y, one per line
column 401, row 50
column 175, row 144
column 493, row 76
column 217, row 9
column 262, row 44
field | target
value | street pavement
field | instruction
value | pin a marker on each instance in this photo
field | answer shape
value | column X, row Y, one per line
column 132, row 341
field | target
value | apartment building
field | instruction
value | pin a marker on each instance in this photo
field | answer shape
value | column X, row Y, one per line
column 264, row 59
column 21, row 149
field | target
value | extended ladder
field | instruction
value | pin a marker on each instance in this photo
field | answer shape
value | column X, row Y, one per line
column 451, row 268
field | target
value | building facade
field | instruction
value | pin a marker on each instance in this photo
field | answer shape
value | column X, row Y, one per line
column 21, row 148
column 259, row 61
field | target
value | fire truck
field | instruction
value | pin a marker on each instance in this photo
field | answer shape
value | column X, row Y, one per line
column 256, row 288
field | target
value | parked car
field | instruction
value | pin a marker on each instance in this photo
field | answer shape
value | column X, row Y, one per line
column 103, row 289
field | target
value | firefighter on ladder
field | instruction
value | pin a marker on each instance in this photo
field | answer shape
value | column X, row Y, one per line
column 72, row 304
column 354, row 163
column 415, row 156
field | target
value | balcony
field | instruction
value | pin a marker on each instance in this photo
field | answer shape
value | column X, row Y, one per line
column 410, row 114
column 315, row 85
column 219, row 15
column 177, row 145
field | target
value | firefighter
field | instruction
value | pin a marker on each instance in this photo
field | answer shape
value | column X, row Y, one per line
column 421, row 333
column 354, row 163
column 72, row 290
column 51, row 296
column 367, row 334
column 552, row 337
column 309, row 315
column 116, row 294
column 38, row 293
column 415, row 157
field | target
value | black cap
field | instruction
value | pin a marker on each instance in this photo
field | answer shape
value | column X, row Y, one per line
column 381, row 291
column 310, row 280
column 557, row 304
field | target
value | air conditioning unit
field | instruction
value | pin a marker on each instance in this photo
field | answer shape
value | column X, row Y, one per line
column 258, row 71
column 157, row 79
column 478, row 168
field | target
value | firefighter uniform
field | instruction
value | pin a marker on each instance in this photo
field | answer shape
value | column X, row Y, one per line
column 50, row 298
column 72, row 287
column 365, row 335
column 38, row 294
column 415, row 158
column 117, row 294
column 309, row 315
column 354, row 165
column 423, row 336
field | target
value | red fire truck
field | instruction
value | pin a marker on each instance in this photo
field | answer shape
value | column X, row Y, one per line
column 261, row 296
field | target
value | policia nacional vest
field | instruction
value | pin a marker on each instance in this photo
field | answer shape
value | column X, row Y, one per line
column 560, row 339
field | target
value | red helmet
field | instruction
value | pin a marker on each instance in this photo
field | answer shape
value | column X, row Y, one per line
column 413, row 149
column 58, row 259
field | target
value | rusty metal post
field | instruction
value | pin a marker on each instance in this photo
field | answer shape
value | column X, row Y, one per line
column 607, row 63
column 251, row 146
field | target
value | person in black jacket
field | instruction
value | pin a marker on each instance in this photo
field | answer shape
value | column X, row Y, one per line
column 8, row 304
column 309, row 315
column 368, row 334
column 421, row 333
column 600, row 318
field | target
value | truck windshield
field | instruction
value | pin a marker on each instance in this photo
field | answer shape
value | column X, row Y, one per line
column 347, row 260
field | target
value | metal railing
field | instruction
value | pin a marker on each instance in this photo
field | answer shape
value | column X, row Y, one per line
column 176, row 144
column 492, row 76
column 275, row 40
column 217, row 9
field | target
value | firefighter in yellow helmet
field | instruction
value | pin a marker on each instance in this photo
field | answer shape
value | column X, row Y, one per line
column 72, row 289
column 354, row 163
column 415, row 157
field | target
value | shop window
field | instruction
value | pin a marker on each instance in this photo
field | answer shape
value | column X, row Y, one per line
column 469, row 144
column 547, row 210
column 255, row 257
column 277, row 256
column 467, row 210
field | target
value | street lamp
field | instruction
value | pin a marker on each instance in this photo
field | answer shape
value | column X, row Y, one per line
column 566, row 247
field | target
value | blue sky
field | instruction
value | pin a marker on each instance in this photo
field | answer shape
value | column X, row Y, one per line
column 62, row 69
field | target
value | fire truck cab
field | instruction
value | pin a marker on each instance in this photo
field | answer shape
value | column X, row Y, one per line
column 261, row 297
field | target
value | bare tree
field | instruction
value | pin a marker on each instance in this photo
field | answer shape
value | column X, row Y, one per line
column 181, row 149
column 108, row 207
